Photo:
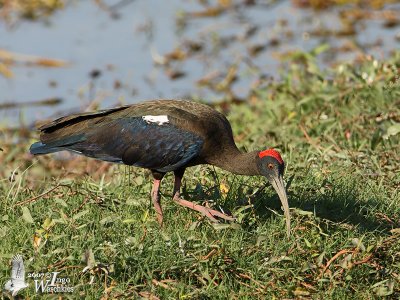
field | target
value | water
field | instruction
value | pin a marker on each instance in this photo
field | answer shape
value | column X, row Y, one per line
column 123, row 48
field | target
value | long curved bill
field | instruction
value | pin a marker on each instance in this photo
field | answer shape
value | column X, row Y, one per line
column 279, row 186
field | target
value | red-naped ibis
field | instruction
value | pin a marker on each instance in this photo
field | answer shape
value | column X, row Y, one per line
column 163, row 136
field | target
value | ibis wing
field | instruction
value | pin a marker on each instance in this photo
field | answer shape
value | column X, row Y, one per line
column 164, row 147
column 78, row 117
column 133, row 141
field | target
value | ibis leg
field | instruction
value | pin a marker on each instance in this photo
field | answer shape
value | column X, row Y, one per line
column 208, row 212
column 155, row 197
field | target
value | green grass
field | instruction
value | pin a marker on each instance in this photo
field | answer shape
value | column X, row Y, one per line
column 337, row 132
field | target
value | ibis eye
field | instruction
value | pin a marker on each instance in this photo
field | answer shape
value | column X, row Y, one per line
column 270, row 166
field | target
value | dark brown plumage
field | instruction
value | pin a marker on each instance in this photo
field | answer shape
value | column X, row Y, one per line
column 163, row 136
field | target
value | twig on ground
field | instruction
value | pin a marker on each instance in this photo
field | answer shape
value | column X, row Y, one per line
column 341, row 252
column 36, row 197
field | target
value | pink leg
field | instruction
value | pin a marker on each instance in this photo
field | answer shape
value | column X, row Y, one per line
column 208, row 212
column 155, row 197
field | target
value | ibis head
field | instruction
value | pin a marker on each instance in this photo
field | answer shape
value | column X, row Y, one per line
column 271, row 165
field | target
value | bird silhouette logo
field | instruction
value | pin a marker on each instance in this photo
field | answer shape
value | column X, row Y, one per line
column 17, row 281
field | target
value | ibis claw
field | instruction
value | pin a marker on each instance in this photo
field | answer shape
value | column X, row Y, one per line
column 211, row 214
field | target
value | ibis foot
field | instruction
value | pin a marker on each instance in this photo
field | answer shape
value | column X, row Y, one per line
column 205, row 211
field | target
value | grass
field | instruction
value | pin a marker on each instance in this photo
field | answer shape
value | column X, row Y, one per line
column 338, row 130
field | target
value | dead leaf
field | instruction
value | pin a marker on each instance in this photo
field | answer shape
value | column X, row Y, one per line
column 176, row 54
column 148, row 295
column 37, row 240
column 175, row 74
column 224, row 189
column 5, row 71
column 209, row 12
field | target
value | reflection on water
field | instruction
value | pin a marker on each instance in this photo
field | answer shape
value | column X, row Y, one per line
column 116, row 60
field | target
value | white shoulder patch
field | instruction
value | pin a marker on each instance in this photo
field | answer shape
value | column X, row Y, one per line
column 160, row 120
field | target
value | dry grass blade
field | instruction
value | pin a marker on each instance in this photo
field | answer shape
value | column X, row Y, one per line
column 11, row 57
column 44, row 102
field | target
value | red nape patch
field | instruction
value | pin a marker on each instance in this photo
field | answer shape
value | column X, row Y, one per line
column 271, row 152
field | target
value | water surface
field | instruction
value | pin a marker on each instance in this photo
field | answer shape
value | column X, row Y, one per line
column 124, row 51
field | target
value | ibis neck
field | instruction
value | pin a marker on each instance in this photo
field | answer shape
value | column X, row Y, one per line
column 238, row 162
